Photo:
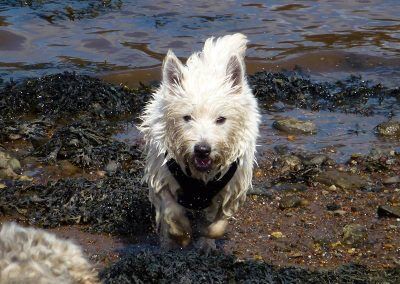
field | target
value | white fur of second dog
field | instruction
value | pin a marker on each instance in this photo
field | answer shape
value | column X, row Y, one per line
column 30, row 255
column 210, row 85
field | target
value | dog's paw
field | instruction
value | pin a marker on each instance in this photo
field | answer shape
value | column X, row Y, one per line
column 216, row 230
column 205, row 245
column 179, row 228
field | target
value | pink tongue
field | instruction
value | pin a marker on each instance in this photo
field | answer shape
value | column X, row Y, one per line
column 203, row 162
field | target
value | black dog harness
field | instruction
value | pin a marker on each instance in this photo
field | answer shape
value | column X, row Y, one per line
column 195, row 194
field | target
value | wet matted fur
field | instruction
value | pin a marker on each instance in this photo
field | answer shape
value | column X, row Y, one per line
column 30, row 255
column 208, row 102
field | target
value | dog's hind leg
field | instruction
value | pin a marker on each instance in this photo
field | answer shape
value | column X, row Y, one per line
column 175, row 226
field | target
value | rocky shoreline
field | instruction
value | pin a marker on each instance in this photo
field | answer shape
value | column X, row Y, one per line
column 308, row 217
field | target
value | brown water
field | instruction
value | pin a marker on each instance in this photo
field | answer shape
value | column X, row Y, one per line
column 327, row 38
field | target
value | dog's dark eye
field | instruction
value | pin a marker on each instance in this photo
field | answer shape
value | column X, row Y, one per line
column 220, row 120
column 187, row 118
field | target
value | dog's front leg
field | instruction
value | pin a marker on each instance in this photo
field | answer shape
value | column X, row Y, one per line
column 175, row 226
column 215, row 230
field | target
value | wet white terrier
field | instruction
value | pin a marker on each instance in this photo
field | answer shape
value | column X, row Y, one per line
column 30, row 255
column 200, row 129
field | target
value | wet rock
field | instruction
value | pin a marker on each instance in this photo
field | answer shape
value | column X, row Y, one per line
column 291, row 187
column 343, row 180
column 315, row 160
column 388, row 211
column 288, row 163
column 354, row 234
column 8, row 166
column 332, row 207
column 389, row 128
column 192, row 267
column 294, row 126
column 391, row 180
column 292, row 201
column 339, row 213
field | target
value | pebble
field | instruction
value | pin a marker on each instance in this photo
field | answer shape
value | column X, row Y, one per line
column 295, row 126
column 388, row 211
column 354, row 233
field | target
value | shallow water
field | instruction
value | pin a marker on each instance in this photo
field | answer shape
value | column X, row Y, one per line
column 322, row 36
column 338, row 135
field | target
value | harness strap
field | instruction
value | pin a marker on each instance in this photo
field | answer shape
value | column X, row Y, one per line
column 195, row 194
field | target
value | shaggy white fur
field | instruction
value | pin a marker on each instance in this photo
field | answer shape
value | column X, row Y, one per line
column 206, row 100
column 30, row 255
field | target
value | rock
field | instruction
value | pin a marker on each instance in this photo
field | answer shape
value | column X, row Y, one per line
column 293, row 187
column 8, row 166
column 315, row 160
column 339, row 212
column 389, row 128
column 388, row 211
column 292, row 201
column 391, row 180
column 294, row 126
column 287, row 163
column 332, row 207
column 341, row 179
column 14, row 164
column 263, row 189
column 354, row 234
column 277, row 235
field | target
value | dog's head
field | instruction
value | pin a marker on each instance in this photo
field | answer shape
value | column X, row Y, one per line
column 206, row 109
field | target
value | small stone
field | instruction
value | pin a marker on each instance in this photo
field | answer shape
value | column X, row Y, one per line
column 389, row 128
column 14, row 136
column 339, row 212
column 277, row 235
column 2, row 185
column 354, row 233
column 341, row 179
column 290, row 201
column 14, row 164
column 391, row 180
column 332, row 207
column 333, row 187
column 294, row 126
column 111, row 167
column 388, row 211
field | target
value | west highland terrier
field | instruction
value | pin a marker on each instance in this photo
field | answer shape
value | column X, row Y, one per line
column 200, row 129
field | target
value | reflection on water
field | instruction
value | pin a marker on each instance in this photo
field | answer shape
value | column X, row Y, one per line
column 87, row 36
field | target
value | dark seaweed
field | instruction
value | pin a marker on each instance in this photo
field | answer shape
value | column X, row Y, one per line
column 351, row 96
column 86, row 147
column 117, row 204
column 66, row 93
column 192, row 267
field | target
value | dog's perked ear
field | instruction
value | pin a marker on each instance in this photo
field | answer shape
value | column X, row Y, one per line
column 235, row 72
column 172, row 70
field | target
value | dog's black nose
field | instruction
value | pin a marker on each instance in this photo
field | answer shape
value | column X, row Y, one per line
column 202, row 149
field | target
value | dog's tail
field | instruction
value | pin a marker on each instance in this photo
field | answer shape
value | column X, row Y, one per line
column 216, row 49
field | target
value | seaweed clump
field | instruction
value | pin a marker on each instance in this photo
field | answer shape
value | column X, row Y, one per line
column 350, row 96
column 87, row 147
column 117, row 204
column 192, row 267
column 63, row 94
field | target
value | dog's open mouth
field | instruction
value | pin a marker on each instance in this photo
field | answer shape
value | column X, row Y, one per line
column 202, row 164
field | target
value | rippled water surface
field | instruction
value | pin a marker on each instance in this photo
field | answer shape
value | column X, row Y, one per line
column 125, row 42
column 97, row 36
